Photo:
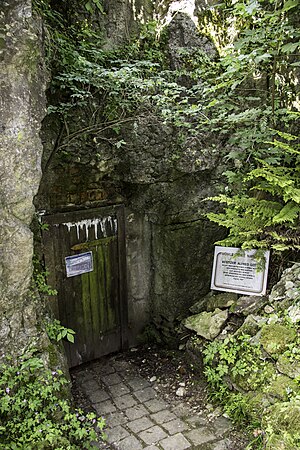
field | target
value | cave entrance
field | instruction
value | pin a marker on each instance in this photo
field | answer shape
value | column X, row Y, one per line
column 85, row 255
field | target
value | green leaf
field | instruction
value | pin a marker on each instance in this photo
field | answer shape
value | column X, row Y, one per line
column 290, row 48
column 89, row 7
column 70, row 338
column 289, row 4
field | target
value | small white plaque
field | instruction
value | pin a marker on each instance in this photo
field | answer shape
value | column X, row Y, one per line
column 239, row 273
column 79, row 264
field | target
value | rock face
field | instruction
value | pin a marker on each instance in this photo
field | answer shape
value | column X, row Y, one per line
column 22, row 109
column 162, row 183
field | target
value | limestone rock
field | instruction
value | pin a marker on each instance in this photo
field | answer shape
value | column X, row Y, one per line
column 212, row 301
column 294, row 313
column 281, row 387
column 286, row 291
column 268, row 309
column 181, row 392
column 283, row 418
column 275, row 337
column 251, row 325
column 207, row 324
column 248, row 305
column 23, row 85
column 288, row 367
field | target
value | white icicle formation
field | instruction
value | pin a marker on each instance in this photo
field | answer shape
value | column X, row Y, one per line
column 87, row 223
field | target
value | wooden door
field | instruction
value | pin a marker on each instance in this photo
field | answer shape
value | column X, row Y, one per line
column 85, row 256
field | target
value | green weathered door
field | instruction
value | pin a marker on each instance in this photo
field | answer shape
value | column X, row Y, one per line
column 85, row 257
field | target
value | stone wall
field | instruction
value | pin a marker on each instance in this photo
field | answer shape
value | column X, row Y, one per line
column 21, row 112
column 161, row 183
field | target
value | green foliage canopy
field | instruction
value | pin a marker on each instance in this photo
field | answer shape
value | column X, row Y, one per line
column 246, row 98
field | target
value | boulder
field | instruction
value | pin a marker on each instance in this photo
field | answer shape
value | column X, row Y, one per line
column 249, row 304
column 212, row 301
column 287, row 290
column 288, row 367
column 294, row 313
column 275, row 337
column 207, row 324
column 281, row 387
column 283, row 423
column 251, row 325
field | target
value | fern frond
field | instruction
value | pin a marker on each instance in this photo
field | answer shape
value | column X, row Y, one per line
column 292, row 194
column 281, row 247
column 283, row 146
column 286, row 136
column 289, row 213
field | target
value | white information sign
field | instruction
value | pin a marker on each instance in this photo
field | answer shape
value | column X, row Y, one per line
column 79, row 264
column 236, row 270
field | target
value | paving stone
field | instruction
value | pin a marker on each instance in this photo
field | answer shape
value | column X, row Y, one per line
column 196, row 421
column 176, row 426
column 226, row 444
column 163, row 416
column 83, row 377
column 222, row 425
column 125, row 402
column 98, row 396
column 137, row 383
column 130, row 443
column 115, row 418
column 104, row 407
column 112, row 379
column 155, row 405
column 200, row 436
column 103, row 369
column 140, row 424
column 90, row 386
column 136, row 412
column 176, row 442
column 145, row 394
column 151, row 447
column 115, row 434
column 181, row 410
column 152, row 435
column 119, row 389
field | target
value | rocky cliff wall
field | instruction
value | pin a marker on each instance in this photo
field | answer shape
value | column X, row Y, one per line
column 161, row 182
column 22, row 109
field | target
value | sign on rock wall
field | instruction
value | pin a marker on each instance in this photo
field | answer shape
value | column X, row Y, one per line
column 238, row 271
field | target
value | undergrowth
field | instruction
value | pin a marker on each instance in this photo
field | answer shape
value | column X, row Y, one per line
column 36, row 412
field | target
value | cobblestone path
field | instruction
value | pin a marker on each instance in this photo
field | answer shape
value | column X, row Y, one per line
column 137, row 417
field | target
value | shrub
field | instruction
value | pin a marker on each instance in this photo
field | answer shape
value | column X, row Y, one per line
column 35, row 412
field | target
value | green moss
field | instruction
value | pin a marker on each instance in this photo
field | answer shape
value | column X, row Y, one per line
column 282, row 423
column 281, row 388
column 281, row 443
column 288, row 366
column 275, row 338
column 258, row 402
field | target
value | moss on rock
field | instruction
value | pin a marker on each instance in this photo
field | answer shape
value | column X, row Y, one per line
column 275, row 338
column 289, row 367
column 283, row 424
column 281, row 387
